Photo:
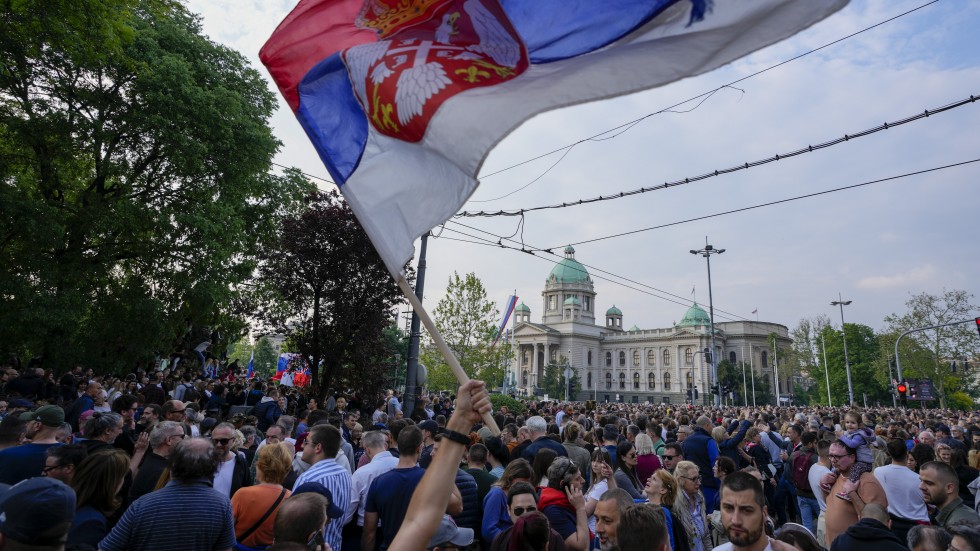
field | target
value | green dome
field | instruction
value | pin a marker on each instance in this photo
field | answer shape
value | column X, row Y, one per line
column 522, row 308
column 635, row 328
column 572, row 301
column 569, row 270
column 694, row 316
column 614, row 311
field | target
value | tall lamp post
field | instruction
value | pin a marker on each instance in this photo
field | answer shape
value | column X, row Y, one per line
column 706, row 252
column 847, row 363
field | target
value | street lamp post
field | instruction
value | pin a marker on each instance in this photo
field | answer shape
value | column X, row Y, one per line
column 826, row 370
column 706, row 252
column 847, row 363
column 568, row 374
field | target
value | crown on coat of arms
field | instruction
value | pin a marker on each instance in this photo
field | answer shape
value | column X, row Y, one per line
column 390, row 16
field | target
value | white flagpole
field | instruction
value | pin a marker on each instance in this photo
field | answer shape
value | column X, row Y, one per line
column 441, row 344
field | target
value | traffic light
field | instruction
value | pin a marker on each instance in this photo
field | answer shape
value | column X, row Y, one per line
column 707, row 354
column 902, row 389
column 977, row 321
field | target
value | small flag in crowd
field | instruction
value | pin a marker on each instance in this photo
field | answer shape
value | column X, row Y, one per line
column 511, row 302
column 251, row 365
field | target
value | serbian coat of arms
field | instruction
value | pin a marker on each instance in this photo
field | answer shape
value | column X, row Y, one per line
column 429, row 51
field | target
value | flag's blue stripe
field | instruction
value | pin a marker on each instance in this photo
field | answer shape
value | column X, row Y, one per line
column 559, row 29
column 332, row 117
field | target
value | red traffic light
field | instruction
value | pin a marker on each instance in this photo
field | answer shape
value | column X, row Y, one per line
column 977, row 320
column 902, row 389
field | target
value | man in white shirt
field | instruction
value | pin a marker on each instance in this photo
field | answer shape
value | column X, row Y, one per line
column 906, row 506
column 817, row 471
column 381, row 461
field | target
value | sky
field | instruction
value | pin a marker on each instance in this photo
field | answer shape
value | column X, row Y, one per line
column 874, row 244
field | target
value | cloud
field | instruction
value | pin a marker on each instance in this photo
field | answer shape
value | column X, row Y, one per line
column 915, row 276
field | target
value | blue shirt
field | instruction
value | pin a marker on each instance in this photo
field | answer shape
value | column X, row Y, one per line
column 22, row 462
column 178, row 517
column 389, row 496
column 496, row 517
column 336, row 479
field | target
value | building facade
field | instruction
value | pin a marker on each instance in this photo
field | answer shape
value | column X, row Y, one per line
column 633, row 365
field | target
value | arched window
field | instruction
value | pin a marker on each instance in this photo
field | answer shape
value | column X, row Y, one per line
column 690, row 379
column 651, row 381
column 590, row 357
column 608, row 359
column 622, row 380
column 688, row 356
column 666, row 381
column 636, row 380
column 608, row 381
column 636, row 358
column 590, row 380
column 666, row 358
column 765, row 358
column 622, row 358
column 732, row 358
column 651, row 358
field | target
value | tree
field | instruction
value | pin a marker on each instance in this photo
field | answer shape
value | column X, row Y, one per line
column 862, row 352
column 956, row 342
column 240, row 351
column 135, row 180
column 322, row 283
column 266, row 358
column 554, row 382
column 468, row 323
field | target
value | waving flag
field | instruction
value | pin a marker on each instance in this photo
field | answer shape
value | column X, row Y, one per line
column 251, row 366
column 403, row 100
column 511, row 303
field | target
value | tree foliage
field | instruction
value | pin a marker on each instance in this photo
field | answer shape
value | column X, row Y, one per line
column 467, row 321
column 266, row 358
column 322, row 283
column 946, row 344
column 135, row 187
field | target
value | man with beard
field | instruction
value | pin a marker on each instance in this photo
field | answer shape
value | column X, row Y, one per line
column 607, row 513
column 744, row 513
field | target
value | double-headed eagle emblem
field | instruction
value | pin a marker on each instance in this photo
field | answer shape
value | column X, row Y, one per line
column 429, row 51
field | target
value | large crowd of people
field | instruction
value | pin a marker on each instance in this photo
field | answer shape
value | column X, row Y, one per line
column 193, row 459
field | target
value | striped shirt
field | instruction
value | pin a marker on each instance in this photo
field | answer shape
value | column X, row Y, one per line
column 336, row 479
column 179, row 517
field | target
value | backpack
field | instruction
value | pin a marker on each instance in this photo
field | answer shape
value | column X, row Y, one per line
column 801, row 470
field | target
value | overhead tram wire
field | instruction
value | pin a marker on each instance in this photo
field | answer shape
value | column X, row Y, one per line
column 532, row 251
column 744, row 166
column 777, row 202
column 628, row 125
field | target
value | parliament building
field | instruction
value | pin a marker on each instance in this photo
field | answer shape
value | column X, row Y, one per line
column 615, row 364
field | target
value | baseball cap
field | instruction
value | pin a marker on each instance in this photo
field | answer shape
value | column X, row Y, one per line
column 49, row 416
column 448, row 532
column 38, row 511
column 333, row 511
column 430, row 426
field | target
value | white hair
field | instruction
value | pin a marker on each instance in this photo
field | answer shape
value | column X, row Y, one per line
column 537, row 424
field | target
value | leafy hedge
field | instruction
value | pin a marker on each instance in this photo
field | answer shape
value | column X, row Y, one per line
column 499, row 400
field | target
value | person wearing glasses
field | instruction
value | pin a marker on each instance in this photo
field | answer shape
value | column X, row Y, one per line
column 841, row 514
column 522, row 502
column 164, row 436
column 673, row 454
column 176, row 411
column 625, row 475
column 60, row 462
column 690, row 508
column 233, row 473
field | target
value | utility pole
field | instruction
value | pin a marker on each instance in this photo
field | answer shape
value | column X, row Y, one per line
column 826, row 370
column 847, row 363
column 411, row 376
column 706, row 252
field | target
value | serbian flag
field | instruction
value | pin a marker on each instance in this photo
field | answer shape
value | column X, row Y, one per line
column 251, row 366
column 403, row 100
column 511, row 302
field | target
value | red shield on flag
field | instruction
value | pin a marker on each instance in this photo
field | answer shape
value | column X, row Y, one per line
column 429, row 51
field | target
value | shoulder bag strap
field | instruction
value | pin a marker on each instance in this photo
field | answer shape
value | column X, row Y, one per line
column 255, row 527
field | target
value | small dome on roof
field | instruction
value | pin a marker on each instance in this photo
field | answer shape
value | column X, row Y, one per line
column 522, row 308
column 614, row 311
column 635, row 328
column 695, row 316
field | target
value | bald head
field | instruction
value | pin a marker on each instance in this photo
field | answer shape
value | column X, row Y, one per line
column 877, row 512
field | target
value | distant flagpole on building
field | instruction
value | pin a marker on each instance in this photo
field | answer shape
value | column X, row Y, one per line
column 756, row 312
